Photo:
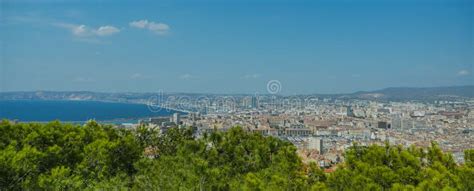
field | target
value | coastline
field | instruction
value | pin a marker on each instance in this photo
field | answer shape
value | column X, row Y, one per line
column 78, row 111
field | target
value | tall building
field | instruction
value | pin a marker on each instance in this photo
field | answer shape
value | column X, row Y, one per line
column 254, row 102
column 397, row 123
column 350, row 111
column 384, row 125
column 176, row 118
column 193, row 116
column 355, row 112
column 316, row 143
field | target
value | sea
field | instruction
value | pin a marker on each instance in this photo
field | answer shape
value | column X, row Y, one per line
column 77, row 111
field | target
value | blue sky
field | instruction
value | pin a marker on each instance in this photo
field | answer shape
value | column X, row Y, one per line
column 235, row 46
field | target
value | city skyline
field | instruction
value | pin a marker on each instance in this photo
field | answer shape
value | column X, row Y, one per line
column 237, row 95
column 235, row 47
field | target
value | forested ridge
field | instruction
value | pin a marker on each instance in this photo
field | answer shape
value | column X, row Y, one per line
column 62, row 156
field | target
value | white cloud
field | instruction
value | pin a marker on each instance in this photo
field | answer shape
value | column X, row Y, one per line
column 464, row 73
column 85, row 31
column 79, row 30
column 185, row 76
column 107, row 30
column 157, row 28
column 139, row 24
column 76, row 30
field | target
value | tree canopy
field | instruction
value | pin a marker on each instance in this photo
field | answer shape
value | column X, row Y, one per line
column 62, row 156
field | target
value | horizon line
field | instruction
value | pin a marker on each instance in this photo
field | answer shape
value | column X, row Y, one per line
column 211, row 93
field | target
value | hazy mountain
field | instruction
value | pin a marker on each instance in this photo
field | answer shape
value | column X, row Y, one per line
column 396, row 94
column 410, row 93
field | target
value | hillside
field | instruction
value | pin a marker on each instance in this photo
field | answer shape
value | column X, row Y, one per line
column 394, row 93
column 410, row 93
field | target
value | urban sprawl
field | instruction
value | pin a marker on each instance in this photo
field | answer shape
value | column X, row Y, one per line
column 322, row 128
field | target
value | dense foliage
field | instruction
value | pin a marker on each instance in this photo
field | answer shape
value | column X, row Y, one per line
column 57, row 156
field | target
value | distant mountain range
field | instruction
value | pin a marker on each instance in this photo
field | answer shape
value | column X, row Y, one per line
column 407, row 93
column 392, row 94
